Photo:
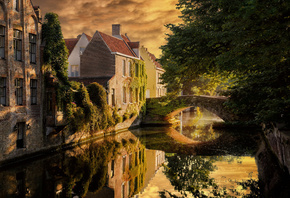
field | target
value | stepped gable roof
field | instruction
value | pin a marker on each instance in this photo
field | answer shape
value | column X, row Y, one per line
column 71, row 43
column 117, row 45
column 152, row 56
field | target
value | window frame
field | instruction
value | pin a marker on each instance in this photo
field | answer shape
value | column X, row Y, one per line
column 124, row 95
column 19, row 91
column 74, row 71
column 129, row 69
column 33, row 91
column 130, row 95
column 124, row 67
column 2, row 41
column 32, row 47
column 21, row 130
column 17, row 44
column 3, row 87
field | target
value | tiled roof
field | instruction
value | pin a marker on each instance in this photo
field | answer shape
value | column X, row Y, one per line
column 88, row 37
column 70, row 44
column 134, row 44
column 117, row 45
column 125, row 38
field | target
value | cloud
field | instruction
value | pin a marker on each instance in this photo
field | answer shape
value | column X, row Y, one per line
column 143, row 20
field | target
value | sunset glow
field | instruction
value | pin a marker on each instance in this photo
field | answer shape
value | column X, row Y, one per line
column 143, row 20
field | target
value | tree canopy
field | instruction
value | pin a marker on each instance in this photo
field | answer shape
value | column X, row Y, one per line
column 55, row 52
column 248, row 39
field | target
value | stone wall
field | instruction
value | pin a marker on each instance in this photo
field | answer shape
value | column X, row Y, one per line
column 27, row 22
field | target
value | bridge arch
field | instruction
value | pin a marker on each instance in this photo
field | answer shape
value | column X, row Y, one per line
column 214, row 104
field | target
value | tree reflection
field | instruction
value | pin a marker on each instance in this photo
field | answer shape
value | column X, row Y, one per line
column 190, row 175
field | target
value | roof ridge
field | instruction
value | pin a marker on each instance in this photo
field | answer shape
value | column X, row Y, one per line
column 111, row 36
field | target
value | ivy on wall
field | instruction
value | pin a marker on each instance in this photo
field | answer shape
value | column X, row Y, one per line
column 137, row 86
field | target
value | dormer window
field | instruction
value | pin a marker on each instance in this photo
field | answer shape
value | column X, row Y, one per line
column 2, row 42
column 16, row 5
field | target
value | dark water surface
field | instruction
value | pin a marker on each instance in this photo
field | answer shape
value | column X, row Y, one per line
column 192, row 160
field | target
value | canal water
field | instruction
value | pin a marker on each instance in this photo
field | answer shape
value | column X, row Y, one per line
column 190, row 160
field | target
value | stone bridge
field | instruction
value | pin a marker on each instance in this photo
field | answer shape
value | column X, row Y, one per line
column 214, row 104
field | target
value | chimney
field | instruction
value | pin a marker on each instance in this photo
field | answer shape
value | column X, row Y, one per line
column 116, row 30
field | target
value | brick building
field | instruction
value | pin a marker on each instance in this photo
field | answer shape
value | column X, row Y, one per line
column 109, row 60
column 20, row 78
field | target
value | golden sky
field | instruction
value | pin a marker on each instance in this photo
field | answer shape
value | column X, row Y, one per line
column 142, row 20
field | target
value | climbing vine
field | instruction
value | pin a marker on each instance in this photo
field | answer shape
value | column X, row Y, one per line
column 137, row 87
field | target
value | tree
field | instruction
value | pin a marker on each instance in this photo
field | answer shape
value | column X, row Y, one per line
column 248, row 39
column 55, row 52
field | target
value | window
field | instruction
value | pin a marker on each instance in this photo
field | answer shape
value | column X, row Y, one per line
column 159, row 78
column 2, row 42
column 33, row 91
column 136, row 95
column 20, row 128
column 19, row 91
column 82, row 49
column 123, row 190
column 74, row 71
column 17, row 45
column 124, row 95
column 140, row 156
column 124, row 164
column 32, row 48
column 112, row 168
column 130, row 161
column 130, row 95
column 16, row 5
column 113, row 97
column 136, row 158
column 129, row 69
column 136, row 70
column 124, row 68
column 3, row 91
column 136, row 184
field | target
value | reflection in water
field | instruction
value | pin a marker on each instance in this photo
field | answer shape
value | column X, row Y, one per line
column 107, row 168
column 193, row 176
column 197, row 125
column 202, row 162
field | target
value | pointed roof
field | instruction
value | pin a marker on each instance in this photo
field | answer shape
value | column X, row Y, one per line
column 88, row 37
column 71, row 43
column 117, row 45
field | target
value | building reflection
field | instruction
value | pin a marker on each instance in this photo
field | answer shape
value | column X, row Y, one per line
column 114, row 167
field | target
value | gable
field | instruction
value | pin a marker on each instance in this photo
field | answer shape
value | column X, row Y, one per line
column 117, row 45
